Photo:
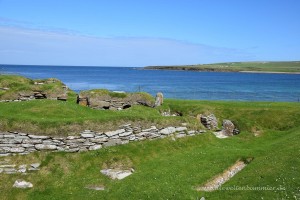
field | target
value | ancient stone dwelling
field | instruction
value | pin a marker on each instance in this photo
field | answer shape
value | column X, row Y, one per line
column 19, row 88
column 104, row 99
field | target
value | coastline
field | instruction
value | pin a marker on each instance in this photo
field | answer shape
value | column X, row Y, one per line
column 268, row 72
column 222, row 71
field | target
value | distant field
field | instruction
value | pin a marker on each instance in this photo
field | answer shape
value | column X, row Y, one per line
column 281, row 67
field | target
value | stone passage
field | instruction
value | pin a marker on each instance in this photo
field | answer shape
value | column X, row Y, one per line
column 22, row 143
column 220, row 179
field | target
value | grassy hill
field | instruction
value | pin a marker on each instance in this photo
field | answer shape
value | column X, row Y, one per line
column 271, row 67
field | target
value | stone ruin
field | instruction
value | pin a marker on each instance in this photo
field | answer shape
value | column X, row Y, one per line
column 106, row 100
column 211, row 122
column 50, row 88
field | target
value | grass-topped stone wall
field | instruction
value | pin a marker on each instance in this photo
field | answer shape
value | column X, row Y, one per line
column 104, row 99
column 14, row 87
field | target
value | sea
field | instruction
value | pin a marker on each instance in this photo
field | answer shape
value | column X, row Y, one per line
column 173, row 84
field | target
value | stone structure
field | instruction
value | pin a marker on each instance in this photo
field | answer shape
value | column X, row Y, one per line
column 209, row 121
column 159, row 99
column 104, row 99
column 22, row 143
column 228, row 128
column 44, row 89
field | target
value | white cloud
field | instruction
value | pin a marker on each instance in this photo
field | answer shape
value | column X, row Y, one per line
column 31, row 46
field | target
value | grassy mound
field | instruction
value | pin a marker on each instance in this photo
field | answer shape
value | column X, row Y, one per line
column 14, row 87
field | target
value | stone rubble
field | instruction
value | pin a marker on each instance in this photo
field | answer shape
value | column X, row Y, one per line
column 14, row 169
column 22, row 143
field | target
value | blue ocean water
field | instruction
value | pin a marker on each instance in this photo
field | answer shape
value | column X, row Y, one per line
column 173, row 84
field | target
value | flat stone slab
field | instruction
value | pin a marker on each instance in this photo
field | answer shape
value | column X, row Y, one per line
column 116, row 173
column 87, row 135
column 17, row 149
column 22, row 184
column 45, row 147
column 95, row 147
column 72, row 137
column 168, row 130
column 220, row 135
column 39, row 137
column 95, row 187
column 112, row 142
column 179, row 129
column 125, row 134
column 35, row 165
column 113, row 133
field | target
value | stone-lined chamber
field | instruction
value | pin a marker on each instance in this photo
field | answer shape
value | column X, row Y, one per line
column 23, row 143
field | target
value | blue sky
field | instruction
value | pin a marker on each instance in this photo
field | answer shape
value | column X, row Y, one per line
column 148, row 32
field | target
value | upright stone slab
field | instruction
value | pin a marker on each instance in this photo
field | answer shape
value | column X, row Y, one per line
column 228, row 127
column 159, row 99
column 209, row 121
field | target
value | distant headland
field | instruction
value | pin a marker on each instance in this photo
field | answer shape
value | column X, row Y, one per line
column 292, row 67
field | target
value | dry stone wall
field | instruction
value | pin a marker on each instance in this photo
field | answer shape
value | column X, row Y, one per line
column 23, row 143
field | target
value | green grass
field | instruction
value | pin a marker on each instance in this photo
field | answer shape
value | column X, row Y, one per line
column 61, row 118
column 289, row 67
column 102, row 92
column 164, row 169
column 167, row 169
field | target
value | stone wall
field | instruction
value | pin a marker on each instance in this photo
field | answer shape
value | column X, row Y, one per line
column 22, row 143
column 50, row 88
column 104, row 99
